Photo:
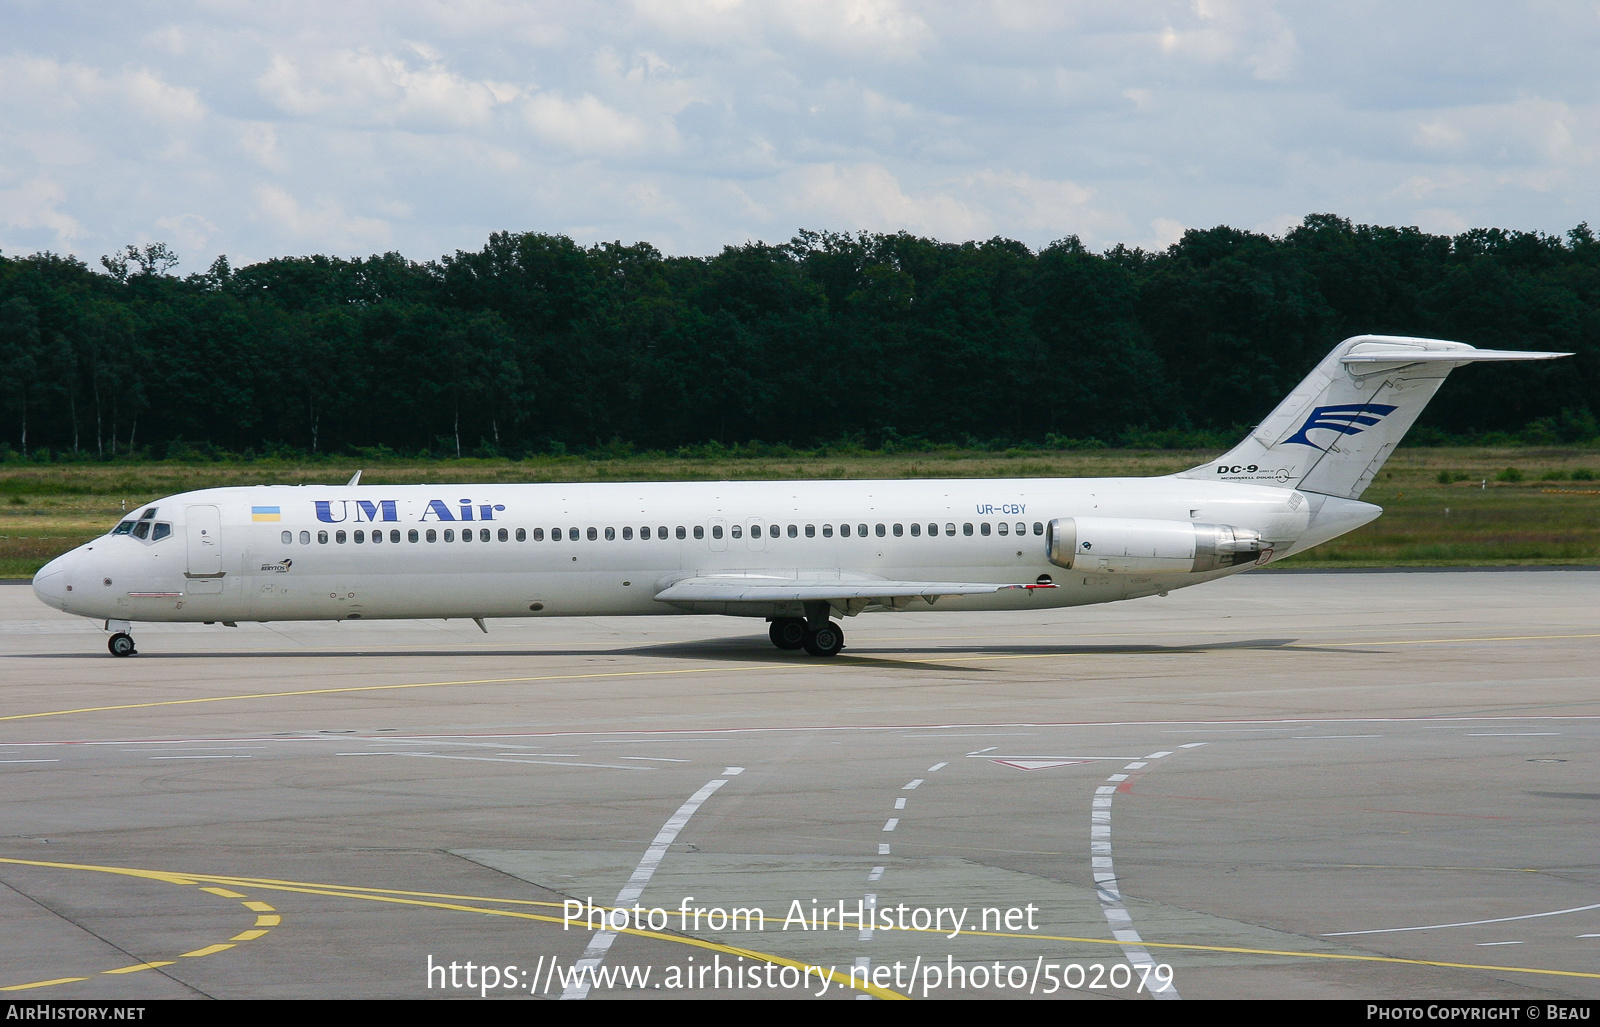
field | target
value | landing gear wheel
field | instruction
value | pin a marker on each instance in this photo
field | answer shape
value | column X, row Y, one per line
column 825, row 641
column 787, row 632
column 120, row 644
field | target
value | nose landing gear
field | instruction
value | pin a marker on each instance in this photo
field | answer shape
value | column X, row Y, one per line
column 121, row 644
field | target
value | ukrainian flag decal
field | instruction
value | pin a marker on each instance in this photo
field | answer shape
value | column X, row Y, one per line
column 265, row 513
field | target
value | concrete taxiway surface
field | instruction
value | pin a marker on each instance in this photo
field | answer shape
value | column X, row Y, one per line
column 1314, row 785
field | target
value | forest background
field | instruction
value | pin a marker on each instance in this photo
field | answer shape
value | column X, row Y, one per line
column 536, row 345
column 866, row 356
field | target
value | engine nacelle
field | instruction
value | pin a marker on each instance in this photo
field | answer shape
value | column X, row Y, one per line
column 1135, row 545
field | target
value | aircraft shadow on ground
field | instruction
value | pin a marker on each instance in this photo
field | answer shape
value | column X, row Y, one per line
column 755, row 650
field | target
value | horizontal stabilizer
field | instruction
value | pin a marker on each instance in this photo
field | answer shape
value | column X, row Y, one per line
column 1413, row 356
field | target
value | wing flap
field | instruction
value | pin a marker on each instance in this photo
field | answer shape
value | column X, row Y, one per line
column 749, row 588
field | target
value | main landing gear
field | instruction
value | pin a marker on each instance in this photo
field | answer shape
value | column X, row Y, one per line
column 787, row 632
column 826, row 639
column 121, row 644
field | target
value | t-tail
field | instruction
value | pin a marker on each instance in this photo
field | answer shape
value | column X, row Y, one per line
column 1335, row 430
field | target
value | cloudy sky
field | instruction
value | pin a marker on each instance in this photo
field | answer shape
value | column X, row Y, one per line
column 280, row 127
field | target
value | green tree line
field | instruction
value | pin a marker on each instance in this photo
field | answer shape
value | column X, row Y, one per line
column 535, row 343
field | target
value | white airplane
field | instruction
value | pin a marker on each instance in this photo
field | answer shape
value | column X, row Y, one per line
column 797, row 553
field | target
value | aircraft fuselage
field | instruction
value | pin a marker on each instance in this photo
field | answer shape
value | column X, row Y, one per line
column 271, row 553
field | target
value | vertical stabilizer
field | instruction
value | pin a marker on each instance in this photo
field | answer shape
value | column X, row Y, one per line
column 1335, row 430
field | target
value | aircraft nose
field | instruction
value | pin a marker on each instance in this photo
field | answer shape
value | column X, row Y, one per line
column 50, row 584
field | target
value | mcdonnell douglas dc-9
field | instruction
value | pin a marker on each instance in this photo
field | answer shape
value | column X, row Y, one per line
column 798, row 554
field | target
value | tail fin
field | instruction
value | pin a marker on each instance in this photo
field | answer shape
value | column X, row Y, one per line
column 1335, row 430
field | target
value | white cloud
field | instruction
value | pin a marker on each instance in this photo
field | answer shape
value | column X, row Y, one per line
column 1278, row 225
column 33, row 86
column 378, row 89
column 869, row 196
column 36, row 204
column 588, row 126
column 1054, row 209
column 328, row 221
column 1164, row 232
column 189, row 232
column 883, row 29
column 260, row 141
column 426, row 124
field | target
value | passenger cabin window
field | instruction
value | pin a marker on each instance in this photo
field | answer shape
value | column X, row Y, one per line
column 1022, row 529
column 793, row 531
column 844, row 531
column 933, row 529
column 522, row 534
column 322, row 538
column 755, row 531
column 305, row 538
column 1001, row 527
column 661, row 532
column 699, row 531
column 811, row 531
column 880, row 531
column 861, row 529
column 1038, row 527
column 593, row 534
column 359, row 536
column 966, row 529
column 449, row 534
column 503, row 535
column 681, row 532
column 627, row 533
column 288, row 537
column 983, row 529
column 394, row 535
column 827, row 531
column 412, row 536
column 340, row 537
column 916, row 530
column 611, row 534
column 899, row 530
column 716, row 531
column 737, row 531
column 538, row 534
column 433, row 536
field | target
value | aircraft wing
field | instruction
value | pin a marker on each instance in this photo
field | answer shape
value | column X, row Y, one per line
column 850, row 595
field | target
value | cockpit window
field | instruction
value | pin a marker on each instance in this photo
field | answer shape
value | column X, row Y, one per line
column 141, row 530
column 123, row 528
column 148, row 514
column 162, row 530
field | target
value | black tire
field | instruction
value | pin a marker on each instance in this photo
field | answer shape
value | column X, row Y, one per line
column 787, row 632
column 825, row 641
column 120, row 644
